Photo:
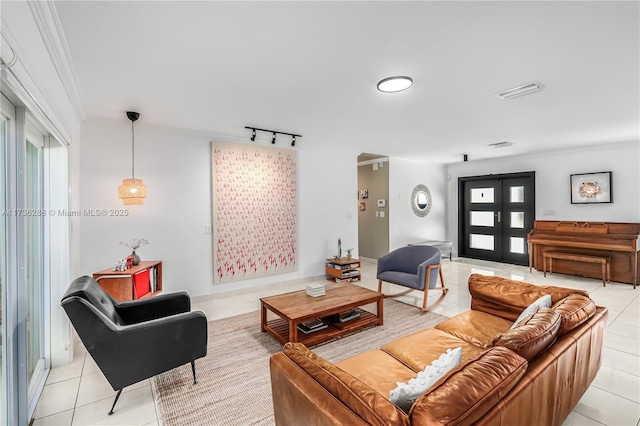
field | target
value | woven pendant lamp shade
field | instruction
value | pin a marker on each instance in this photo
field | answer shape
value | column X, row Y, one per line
column 132, row 191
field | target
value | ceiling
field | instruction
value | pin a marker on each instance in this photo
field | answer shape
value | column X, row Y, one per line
column 311, row 68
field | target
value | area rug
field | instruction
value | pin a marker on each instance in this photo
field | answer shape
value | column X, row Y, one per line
column 234, row 386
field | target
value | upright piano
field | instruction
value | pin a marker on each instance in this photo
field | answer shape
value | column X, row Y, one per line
column 619, row 241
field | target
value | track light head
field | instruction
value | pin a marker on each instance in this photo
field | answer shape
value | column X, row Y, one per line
column 273, row 140
column 253, row 135
column 293, row 140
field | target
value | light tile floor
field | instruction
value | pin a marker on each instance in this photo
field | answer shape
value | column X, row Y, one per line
column 78, row 394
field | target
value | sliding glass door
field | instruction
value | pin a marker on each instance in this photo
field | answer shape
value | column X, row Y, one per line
column 23, row 277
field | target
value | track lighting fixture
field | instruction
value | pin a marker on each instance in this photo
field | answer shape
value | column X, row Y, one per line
column 274, row 134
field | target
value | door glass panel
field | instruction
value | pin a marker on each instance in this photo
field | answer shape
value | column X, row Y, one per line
column 481, row 242
column 516, row 245
column 3, row 259
column 482, row 195
column 34, row 228
column 482, row 219
column 516, row 194
column 517, row 219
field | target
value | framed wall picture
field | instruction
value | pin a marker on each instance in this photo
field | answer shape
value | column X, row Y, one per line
column 254, row 205
column 591, row 188
column 364, row 193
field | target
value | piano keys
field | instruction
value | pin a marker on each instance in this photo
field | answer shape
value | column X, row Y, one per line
column 619, row 241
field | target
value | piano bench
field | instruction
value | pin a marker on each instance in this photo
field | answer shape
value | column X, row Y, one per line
column 605, row 261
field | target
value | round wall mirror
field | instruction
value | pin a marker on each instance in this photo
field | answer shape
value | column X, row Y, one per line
column 421, row 200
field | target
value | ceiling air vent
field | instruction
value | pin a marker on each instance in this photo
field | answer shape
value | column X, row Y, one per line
column 520, row 90
column 500, row 144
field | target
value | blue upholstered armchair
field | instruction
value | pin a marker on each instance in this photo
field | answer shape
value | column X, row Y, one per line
column 415, row 267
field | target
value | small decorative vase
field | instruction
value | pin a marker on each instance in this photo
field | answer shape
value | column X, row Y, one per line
column 135, row 259
column 348, row 256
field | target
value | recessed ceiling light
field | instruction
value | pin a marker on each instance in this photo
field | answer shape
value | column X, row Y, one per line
column 520, row 90
column 395, row 84
column 500, row 144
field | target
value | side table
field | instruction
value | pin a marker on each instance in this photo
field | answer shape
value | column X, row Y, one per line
column 446, row 247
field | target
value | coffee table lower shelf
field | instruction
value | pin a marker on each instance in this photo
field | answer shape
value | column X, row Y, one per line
column 279, row 328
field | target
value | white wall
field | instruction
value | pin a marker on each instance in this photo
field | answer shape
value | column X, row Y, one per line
column 405, row 227
column 176, row 168
column 552, row 183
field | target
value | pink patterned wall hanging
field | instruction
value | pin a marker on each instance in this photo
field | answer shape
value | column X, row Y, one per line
column 254, row 211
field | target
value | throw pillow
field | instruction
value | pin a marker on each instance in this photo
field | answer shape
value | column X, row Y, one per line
column 543, row 302
column 533, row 335
column 573, row 310
column 464, row 396
column 405, row 394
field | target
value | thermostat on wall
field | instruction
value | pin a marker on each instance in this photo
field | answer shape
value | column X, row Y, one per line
column 382, row 203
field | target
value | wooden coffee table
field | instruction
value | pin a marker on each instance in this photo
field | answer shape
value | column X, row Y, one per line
column 297, row 307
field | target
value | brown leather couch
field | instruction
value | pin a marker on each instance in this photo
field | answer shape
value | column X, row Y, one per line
column 533, row 374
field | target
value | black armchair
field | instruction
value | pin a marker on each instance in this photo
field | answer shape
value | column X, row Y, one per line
column 136, row 340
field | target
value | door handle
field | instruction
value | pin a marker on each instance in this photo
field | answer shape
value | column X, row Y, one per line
column 499, row 216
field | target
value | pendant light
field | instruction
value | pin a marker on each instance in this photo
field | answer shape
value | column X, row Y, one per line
column 132, row 191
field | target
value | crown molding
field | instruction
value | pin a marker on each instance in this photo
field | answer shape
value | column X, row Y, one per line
column 19, row 86
column 46, row 19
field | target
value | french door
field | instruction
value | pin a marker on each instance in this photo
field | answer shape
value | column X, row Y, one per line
column 496, row 212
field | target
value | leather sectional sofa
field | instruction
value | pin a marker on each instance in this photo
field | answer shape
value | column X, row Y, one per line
column 533, row 374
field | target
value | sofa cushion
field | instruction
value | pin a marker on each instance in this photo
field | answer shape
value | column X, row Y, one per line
column 475, row 327
column 573, row 310
column 475, row 387
column 543, row 302
column 419, row 349
column 508, row 298
column 377, row 369
column 405, row 394
column 532, row 335
column 360, row 398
